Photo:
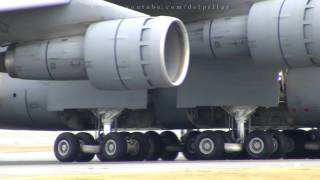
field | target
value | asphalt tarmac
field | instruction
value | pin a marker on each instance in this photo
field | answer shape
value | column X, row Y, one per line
column 35, row 164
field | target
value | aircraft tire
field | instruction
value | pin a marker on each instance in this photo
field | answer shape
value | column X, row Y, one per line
column 189, row 149
column 209, row 145
column 141, row 144
column 85, row 139
column 282, row 144
column 114, row 147
column 299, row 137
column 99, row 155
column 154, row 141
column 314, row 135
column 259, row 145
column 168, row 138
column 66, row 147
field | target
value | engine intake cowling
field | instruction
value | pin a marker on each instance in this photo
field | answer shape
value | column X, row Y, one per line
column 137, row 53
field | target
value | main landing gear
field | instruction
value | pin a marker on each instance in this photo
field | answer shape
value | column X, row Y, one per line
column 195, row 145
column 116, row 146
column 242, row 143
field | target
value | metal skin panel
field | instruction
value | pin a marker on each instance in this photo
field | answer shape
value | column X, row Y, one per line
column 216, row 83
column 263, row 33
column 32, row 64
column 65, row 60
column 13, row 109
column 291, row 28
column 222, row 38
column 166, row 111
column 286, row 36
column 36, row 104
column 303, row 95
column 229, row 37
column 82, row 95
column 56, row 59
column 23, row 105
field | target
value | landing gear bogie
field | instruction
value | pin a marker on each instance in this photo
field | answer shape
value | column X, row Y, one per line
column 195, row 145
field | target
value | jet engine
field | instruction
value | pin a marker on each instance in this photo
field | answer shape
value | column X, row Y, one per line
column 126, row 54
column 223, row 38
column 278, row 33
column 285, row 33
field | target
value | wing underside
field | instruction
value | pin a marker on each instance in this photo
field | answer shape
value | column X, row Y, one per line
column 15, row 5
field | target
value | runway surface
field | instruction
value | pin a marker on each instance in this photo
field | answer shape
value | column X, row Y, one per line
column 35, row 160
column 43, row 165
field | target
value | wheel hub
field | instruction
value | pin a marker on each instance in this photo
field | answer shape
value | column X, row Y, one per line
column 206, row 146
column 111, row 147
column 256, row 145
column 191, row 146
column 63, row 147
column 134, row 147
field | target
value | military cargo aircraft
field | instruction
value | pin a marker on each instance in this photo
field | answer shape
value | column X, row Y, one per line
column 247, row 66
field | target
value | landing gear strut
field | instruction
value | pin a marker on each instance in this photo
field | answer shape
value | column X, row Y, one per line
column 257, row 144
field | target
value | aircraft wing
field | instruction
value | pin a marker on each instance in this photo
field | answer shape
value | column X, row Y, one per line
column 14, row 5
column 62, row 19
column 189, row 10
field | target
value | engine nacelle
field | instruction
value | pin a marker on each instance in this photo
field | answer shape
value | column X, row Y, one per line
column 57, row 59
column 223, row 38
column 127, row 54
column 137, row 53
column 278, row 33
column 285, row 33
